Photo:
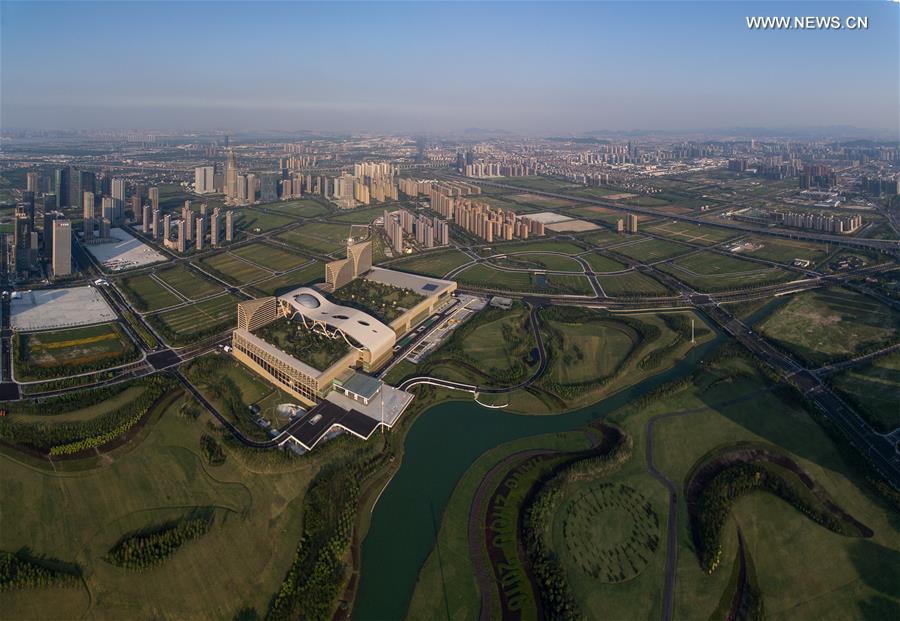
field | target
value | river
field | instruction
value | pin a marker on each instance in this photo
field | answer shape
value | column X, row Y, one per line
column 441, row 445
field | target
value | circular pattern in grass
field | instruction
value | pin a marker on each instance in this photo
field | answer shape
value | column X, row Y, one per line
column 610, row 532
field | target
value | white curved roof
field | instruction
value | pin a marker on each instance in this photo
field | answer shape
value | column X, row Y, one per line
column 375, row 336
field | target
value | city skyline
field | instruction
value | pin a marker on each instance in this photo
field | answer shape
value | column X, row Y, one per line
column 529, row 68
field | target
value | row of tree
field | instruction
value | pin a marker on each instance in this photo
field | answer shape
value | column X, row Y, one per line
column 314, row 580
column 63, row 438
column 139, row 552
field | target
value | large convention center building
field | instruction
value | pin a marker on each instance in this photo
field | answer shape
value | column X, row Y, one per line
column 307, row 344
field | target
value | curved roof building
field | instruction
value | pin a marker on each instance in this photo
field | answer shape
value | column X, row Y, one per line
column 361, row 330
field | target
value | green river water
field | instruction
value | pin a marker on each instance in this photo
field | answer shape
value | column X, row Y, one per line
column 444, row 441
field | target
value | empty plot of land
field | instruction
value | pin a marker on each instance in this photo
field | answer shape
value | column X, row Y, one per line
column 540, row 201
column 825, row 325
column 270, row 257
column 124, row 252
column 707, row 271
column 693, row 233
column 256, row 221
column 631, row 284
column 146, row 294
column 232, row 269
column 649, row 249
column 435, row 264
column 188, row 283
column 58, row 308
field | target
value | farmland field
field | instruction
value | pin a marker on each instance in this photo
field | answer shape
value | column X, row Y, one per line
column 186, row 324
column 786, row 250
column 270, row 257
column 146, row 294
column 692, row 233
column 232, row 269
column 41, row 355
column 187, row 282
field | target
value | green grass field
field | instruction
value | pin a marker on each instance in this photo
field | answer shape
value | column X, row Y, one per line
column 692, row 233
column 589, row 350
column 76, row 514
column 270, row 257
column 599, row 263
column 874, row 389
column 363, row 215
column 708, row 271
column 648, row 249
column 297, row 238
column 786, row 250
column 541, row 261
column 185, row 324
column 488, row 278
column 256, row 221
column 602, row 238
column 188, row 283
column 303, row 208
column 536, row 245
column 825, row 325
column 75, row 350
column 435, row 263
column 232, row 269
column 309, row 274
column 631, row 284
column 146, row 294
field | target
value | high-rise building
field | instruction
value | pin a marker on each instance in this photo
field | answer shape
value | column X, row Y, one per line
column 182, row 235
column 155, row 224
column 632, row 221
column 268, row 187
column 118, row 189
column 620, row 225
column 154, row 198
column 61, row 186
column 231, row 172
column 105, row 225
column 88, row 216
column 214, row 226
column 204, row 179
column 145, row 219
column 167, row 227
column 31, row 181
column 62, row 248
column 229, row 225
column 201, row 225
column 47, row 232
column 21, row 254
column 188, row 218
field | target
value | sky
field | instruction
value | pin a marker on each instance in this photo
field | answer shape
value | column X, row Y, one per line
column 533, row 68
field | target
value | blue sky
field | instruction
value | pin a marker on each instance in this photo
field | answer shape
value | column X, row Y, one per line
column 528, row 67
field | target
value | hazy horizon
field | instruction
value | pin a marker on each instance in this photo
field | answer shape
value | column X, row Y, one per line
column 527, row 68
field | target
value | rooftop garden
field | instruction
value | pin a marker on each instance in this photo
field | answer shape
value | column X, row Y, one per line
column 313, row 348
column 384, row 302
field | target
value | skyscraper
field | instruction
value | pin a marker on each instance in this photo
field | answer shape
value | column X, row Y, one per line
column 214, row 226
column 204, row 179
column 62, row 248
column 61, row 186
column 31, row 181
column 200, row 226
column 88, row 216
column 145, row 219
column 632, row 221
column 154, row 198
column 231, row 175
column 229, row 225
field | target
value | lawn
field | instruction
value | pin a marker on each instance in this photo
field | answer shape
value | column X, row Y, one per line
column 599, row 263
column 648, row 249
column 306, row 275
column 588, row 350
column 537, row 245
column 296, row 237
column 692, row 233
column 335, row 233
column 232, row 269
column 42, row 355
column 256, row 221
column 303, row 208
column 146, row 294
column 786, row 250
column 76, row 517
column 874, row 389
column 825, row 325
column 270, row 257
column 434, row 263
column 708, row 271
column 364, row 215
column 186, row 324
column 486, row 277
column 188, row 283
column 602, row 238
column 540, row 261
column 631, row 284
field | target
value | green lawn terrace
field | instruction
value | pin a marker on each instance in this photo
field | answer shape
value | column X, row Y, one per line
column 828, row 325
column 384, row 302
column 304, row 344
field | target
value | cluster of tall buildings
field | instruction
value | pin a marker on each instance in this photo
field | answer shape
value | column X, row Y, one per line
column 428, row 232
column 468, row 165
column 817, row 176
column 179, row 233
column 493, row 223
column 627, row 224
column 827, row 223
